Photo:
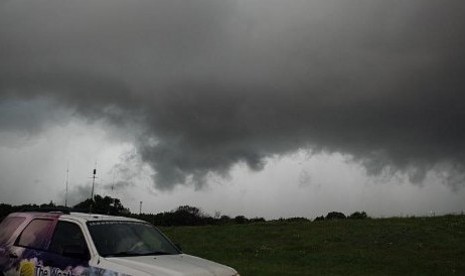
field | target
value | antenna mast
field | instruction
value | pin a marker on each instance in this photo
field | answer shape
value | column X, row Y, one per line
column 93, row 186
column 66, row 191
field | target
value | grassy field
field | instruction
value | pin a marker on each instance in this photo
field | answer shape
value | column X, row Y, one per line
column 395, row 246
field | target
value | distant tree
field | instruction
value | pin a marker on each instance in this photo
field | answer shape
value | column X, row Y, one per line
column 194, row 211
column 103, row 205
column 320, row 218
column 240, row 220
column 224, row 219
column 188, row 215
column 335, row 215
column 49, row 205
column 295, row 219
column 183, row 215
column 358, row 215
column 5, row 209
column 257, row 219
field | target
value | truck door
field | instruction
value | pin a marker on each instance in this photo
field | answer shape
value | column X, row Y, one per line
column 68, row 253
column 7, row 229
column 29, row 249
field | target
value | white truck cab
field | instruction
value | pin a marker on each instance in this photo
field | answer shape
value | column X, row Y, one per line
column 44, row 244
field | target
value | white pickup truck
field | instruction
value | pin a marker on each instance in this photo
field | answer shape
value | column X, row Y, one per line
column 48, row 244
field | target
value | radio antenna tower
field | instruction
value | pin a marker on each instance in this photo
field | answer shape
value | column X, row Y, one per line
column 93, row 187
column 66, row 191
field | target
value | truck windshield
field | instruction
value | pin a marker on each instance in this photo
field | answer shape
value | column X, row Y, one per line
column 127, row 238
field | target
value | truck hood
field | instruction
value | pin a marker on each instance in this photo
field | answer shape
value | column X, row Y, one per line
column 173, row 265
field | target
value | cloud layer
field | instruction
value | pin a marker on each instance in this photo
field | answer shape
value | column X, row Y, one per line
column 204, row 85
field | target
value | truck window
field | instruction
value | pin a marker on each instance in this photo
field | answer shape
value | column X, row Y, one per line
column 35, row 234
column 127, row 238
column 8, row 226
column 67, row 235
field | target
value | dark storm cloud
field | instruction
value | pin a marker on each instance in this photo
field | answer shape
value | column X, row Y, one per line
column 211, row 83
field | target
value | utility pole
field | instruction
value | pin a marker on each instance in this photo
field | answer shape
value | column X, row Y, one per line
column 140, row 208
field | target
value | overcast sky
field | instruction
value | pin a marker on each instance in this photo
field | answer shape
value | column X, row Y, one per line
column 256, row 107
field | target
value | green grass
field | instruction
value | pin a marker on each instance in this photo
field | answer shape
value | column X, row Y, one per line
column 395, row 246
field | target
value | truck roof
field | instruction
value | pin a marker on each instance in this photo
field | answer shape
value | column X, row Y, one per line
column 85, row 217
column 73, row 216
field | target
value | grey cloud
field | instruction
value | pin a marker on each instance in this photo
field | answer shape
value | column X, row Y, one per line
column 126, row 171
column 120, row 185
column 77, row 194
column 210, row 84
column 26, row 117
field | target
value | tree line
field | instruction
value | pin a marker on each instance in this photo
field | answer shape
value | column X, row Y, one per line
column 182, row 216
